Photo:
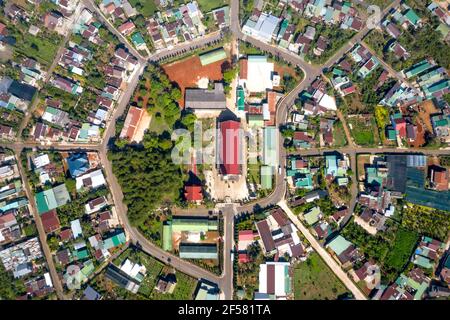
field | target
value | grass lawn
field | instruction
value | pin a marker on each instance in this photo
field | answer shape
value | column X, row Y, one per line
column 208, row 5
column 148, row 7
column 382, row 120
column 42, row 48
column 314, row 280
column 427, row 221
column 364, row 132
column 158, row 124
column 404, row 244
column 340, row 140
column 248, row 49
column 254, row 172
column 183, row 291
column 153, row 266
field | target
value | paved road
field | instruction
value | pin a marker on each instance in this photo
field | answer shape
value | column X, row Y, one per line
column 358, row 37
column 324, row 254
column 391, row 70
column 40, row 228
column 310, row 71
column 94, row 8
column 49, row 73
column 186, row 46
column 116, row 191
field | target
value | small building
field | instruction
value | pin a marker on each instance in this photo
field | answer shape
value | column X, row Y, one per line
column 274, row 279
column 78, row 164
column 205, row 99
column 75, row 226
column 52, row 198
column 198, row 251
column 313, row 216
column 439, row 178
column 41, row 161
column 90, row 180
column 207, row 291
column 126, row 28
column 90, row 294
column 263, row 29
column 166, row 284
column 50, row 221
column 138, row 41
column 212, row 56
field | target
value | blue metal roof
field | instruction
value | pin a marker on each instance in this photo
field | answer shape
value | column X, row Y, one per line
column 78, row 164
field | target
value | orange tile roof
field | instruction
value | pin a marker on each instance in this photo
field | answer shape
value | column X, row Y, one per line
column 243, row 68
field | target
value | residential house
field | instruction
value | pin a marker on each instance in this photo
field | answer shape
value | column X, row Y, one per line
column 274, row 280
column 279, row 235
column 126, row 28
column 347, row 254
column 263, row 28
column 204, row 99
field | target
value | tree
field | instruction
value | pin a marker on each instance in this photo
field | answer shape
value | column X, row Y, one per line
column 71, row 185
column 175, row 94
column 139, row 21
column 447, row 98
column 188, row 121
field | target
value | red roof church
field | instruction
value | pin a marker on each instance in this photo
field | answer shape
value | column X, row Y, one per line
column 229, row 147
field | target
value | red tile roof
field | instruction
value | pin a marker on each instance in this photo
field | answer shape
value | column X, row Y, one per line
column 272, row 103
column 193, row 193
column 50, row 221
column 400, row 126
column 230, row 147
column 244, row 258
column 243, row 63
column 126, row 28
column 246, row 235
column 131, row 121
column 440, row 179
column 65, row 235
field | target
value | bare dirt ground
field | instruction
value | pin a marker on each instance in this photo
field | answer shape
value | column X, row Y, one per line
column 420, row 139
column 186, row 73
column 425, row 110
column 141, row 127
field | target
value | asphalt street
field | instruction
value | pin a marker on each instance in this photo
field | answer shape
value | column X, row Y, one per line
column 311, row 72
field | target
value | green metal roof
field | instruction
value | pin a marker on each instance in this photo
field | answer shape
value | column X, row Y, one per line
column 312, row 216
column 339, row 244
column 167, row 236
column 114, row 241
column 412, row 16
column 423, row 262
column 417, row 68
column 198, row 251
column 212, row 56
column 137, row 39
column 266, row 177
column 391, row 135
column 200, row 224
column 81, row 254
column 304, row 181
column 255, row 120
column 240, row 98
column 46, row 201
